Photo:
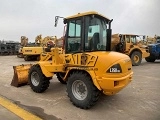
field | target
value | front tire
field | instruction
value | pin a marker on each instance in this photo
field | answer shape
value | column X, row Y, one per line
column 150, row 59
column 81, row 90
column 60, row 77
column 136, row 58
column 37, row 80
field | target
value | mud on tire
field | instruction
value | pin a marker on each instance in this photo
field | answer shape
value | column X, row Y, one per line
column 37, row 80
column 81, row 90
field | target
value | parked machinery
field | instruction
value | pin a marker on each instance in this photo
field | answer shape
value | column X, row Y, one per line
column 154, row 50
column 8, row 47
column 34, row 52
column 87, row 66
column 127, row 44
column 151, row 40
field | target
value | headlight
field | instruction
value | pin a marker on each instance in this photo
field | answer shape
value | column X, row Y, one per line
column 115, row 69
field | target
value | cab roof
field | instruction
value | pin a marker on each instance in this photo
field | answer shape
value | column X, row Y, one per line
column 87, row 13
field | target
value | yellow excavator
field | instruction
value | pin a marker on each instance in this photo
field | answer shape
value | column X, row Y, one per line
column 86, row 65
column 34, row 52
column 129, row 45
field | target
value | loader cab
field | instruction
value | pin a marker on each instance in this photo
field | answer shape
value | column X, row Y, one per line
column 87, row 32
column 127, row 42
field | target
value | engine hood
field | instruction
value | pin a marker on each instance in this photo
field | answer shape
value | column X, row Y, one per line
column 106, row 60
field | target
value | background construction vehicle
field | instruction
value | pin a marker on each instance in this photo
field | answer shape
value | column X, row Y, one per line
column 151, row 40
column 154, row 50
column 86, row 65
column 34, row 52
column 127, row 44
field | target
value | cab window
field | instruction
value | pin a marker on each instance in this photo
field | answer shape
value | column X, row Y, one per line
column 133, row 39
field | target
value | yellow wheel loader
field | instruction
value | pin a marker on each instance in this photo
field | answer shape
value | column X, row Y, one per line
column 128, row 44
column 86, row 65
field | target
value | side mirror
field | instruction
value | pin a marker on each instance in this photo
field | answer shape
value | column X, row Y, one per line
column 64, row 21
column 56, row 20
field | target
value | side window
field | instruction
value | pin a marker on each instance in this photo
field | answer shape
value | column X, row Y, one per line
column 74, row 36
column 127, row 39
column 133, row 39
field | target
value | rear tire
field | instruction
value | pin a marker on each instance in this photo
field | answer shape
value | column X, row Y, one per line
column 150, row 59
column 81, row 90
column 37, row 80
column 136, row 58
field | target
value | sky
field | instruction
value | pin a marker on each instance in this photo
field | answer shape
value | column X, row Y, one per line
column 33, row 17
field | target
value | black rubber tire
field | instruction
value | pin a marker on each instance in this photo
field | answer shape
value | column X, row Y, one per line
column 59, row 77
column 136, row 53
column 38, row 58
column 43, row 83
column 150, row 59
column 27, row 58
column 92, row 95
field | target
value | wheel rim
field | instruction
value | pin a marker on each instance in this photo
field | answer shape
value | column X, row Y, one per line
column 79, row 90
column 136, row 58
column 35, row 79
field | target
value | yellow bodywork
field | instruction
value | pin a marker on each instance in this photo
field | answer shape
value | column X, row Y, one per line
column 32, row 50
column 95, row 65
